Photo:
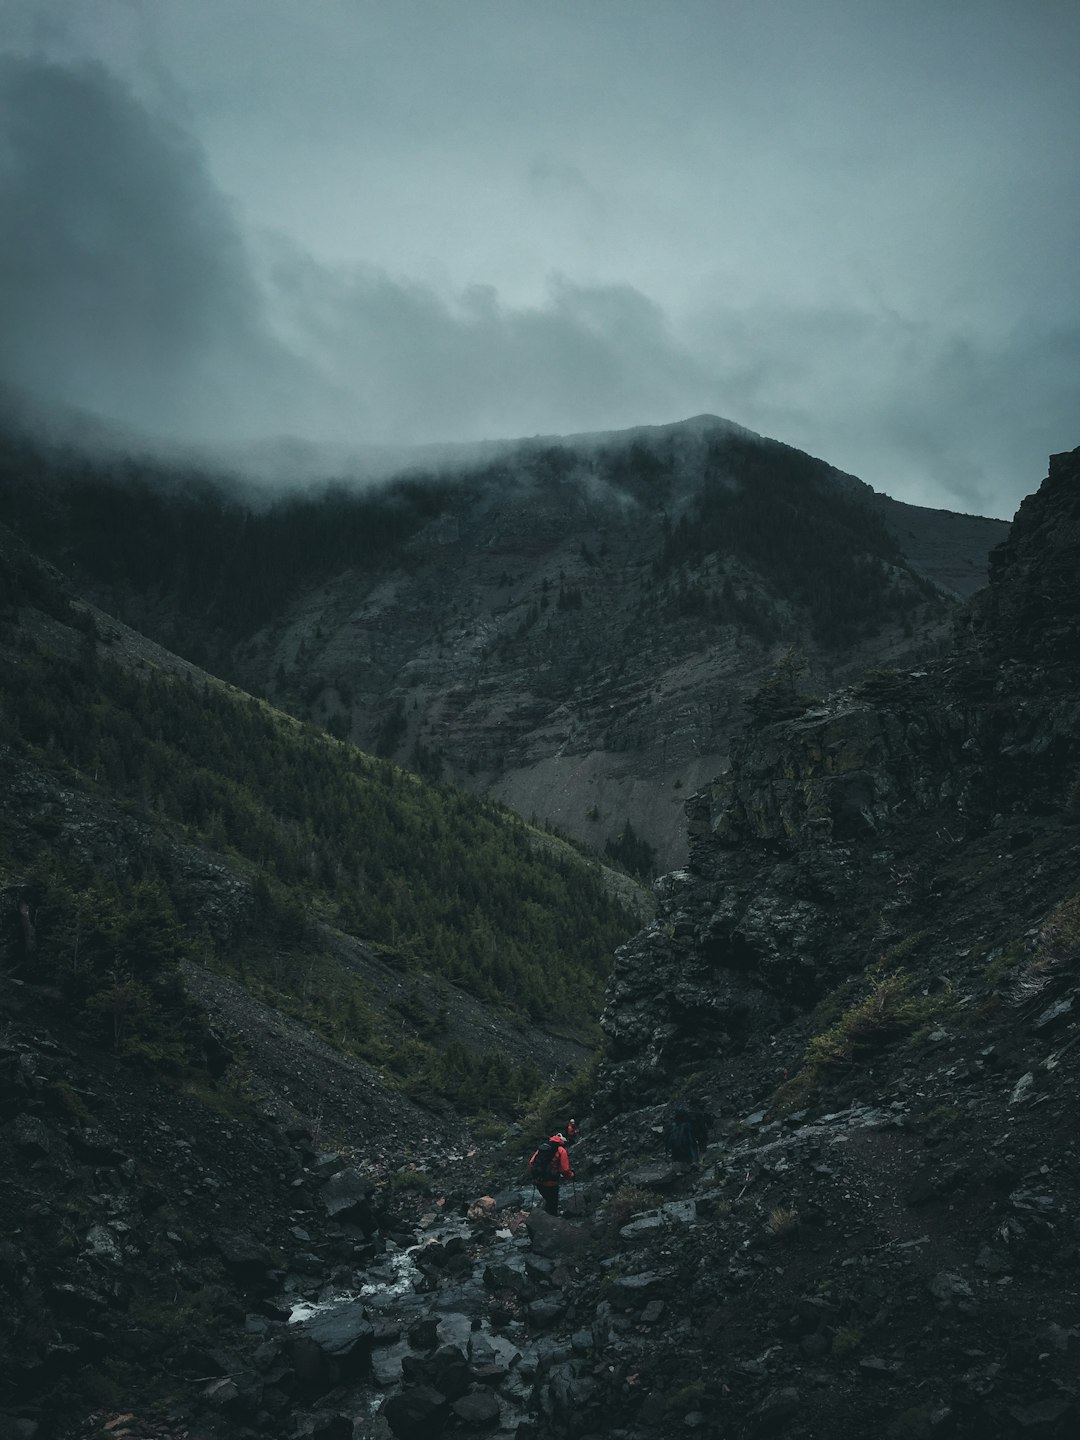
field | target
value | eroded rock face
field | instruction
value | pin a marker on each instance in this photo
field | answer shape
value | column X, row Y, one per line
column 1032, row 610
column 894, row 807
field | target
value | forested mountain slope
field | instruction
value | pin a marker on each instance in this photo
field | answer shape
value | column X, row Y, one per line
column 573, row 626
column 142, row 793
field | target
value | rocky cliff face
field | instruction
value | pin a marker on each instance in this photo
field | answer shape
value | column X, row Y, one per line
column 869, row 974
column 934, row 801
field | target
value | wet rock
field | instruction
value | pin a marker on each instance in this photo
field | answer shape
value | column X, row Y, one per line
column 243, row 1256
column 432, row 1255
column 77, row 1300
column 545, row 1313
column 332, row 1345
column 478, row 1410
column 632, row 1292
column 538, row 1268
column 30, row 1134
column 1053, row 1017
column 676, row 1212
column 305, row 1262
column 97, row 1147
column 568, row 1391
column 883, row 1369
column 658, row 1175
column 460, row 1264
column 424, row 1334
column 773, row 1413
column 1042, row 1413
column 505, row 1277
column 417, row 1413
column 386, row 1329
column 446, row 1371
column 347, row 1198
column 102, row 1244
column 994, row 1261
column 947, row 1286
column 326, row 1426
column 1033, row 1202
column 223, row 1394
column 552, row 1236
column 386, row 1368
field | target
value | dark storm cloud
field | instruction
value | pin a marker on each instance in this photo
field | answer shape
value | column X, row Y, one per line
column 851, row 227
column 426, row 366
column 127, row 289
column 124, row 284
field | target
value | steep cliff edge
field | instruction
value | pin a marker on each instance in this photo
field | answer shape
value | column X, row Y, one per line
column 869, row 975
column 939, row 802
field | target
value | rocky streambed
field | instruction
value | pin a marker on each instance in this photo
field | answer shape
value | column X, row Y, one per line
column 908, row 1261
column 462, row 1325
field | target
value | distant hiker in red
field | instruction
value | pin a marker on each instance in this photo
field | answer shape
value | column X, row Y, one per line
column 548, row 1168
column 571, row 1132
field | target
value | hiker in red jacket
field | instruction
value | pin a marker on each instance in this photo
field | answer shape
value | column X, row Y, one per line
column 549, row 1167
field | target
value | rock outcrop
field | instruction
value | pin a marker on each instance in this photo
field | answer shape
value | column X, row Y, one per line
column 870, row 974
column 934, row 801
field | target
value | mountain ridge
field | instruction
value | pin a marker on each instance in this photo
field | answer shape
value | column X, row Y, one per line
column 492, row 625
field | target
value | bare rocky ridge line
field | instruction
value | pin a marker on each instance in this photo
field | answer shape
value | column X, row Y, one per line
column 583, row 717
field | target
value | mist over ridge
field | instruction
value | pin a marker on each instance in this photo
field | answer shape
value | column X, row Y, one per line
column 138, row 288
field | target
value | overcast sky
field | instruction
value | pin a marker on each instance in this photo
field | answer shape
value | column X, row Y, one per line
column 850, row 225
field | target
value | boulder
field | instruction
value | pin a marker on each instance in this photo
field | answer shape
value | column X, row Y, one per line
column 446, row 1371
column 772, row 1415
column 477, row 1410
column 416, row 1414
column 333, row 1345
column 347, row 1197
column 544, row 1313
column 504, row 1277
column 244, row 1257
column 633, row 1292
column 424, row 1334
column 552, row 1236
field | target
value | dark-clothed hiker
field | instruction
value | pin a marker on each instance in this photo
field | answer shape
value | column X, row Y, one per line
column 548, row 1168
column 680, row 1142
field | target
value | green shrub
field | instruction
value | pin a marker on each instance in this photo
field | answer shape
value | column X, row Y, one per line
column 846, row 1340
column 409, row 1180
column 629, row 1200
column 783, row 1222
column 886, row 1011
